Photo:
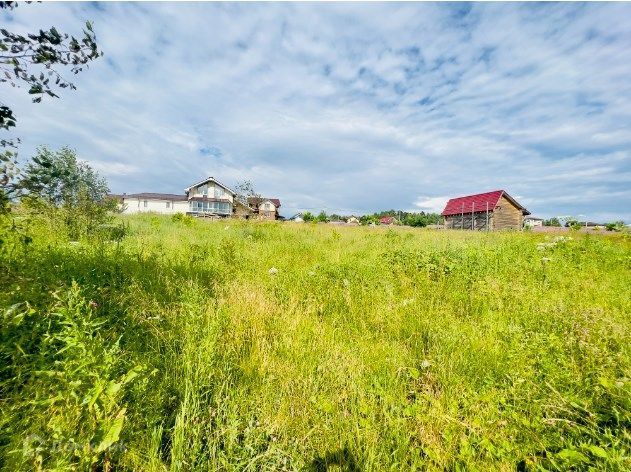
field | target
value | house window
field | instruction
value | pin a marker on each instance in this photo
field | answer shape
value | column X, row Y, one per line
column 211, row 207
column 144, row 203
column 168, row 204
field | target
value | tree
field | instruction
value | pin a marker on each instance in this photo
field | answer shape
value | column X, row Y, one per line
column 57, row 183
column 554, row 221
column 307, row 217
column 61, row 179
column 405, row 217
column 33, row 60
column 245, row 189
column 322, row 218
column 615, row 226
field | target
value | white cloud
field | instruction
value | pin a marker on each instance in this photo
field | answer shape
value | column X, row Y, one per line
column 431, row 204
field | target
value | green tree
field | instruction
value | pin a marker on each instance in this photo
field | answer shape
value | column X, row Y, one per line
column 60, row 178
column 322, row 218
column 245, row 189
column 33, row 60
column 554, row 221
column 615, row 226
column 75, row 192
column 307, row 216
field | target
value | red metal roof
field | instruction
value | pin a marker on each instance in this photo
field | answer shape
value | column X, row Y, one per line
column 476, row 203
column 387, row 220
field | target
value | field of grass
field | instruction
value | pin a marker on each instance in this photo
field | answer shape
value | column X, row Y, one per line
column 193, row 345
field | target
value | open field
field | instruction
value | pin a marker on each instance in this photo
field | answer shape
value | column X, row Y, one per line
column 193, row 345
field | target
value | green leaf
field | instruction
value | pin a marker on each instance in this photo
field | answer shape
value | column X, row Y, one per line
column 598, row 451
column 113, row 433
column 572, row 456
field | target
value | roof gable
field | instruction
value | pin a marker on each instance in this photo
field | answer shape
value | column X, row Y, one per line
column 479, row 203
column 207, row 180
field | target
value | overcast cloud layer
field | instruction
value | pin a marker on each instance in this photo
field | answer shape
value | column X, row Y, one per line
column 350, row 107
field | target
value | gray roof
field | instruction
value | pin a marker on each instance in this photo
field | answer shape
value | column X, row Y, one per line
column 156, row 196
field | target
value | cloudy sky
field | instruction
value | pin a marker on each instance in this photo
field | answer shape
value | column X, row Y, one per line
column 350, row 107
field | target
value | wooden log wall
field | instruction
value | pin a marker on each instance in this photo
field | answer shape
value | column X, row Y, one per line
column 507, row 216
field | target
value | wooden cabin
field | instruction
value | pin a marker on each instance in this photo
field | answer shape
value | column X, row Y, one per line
column 485, row 211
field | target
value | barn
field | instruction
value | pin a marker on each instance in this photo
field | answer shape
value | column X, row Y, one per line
column 484, row 211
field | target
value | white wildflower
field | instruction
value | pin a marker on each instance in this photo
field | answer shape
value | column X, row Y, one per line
column 425, row 364
column 346, row 282
column 273, row 271
column 545, row 259
column 311, row 273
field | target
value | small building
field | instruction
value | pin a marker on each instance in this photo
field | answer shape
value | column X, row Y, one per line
column 265, row 208
column 495, row 210
column 531, row 221
column 387, row 220
column 353, row 220
column 297, row 218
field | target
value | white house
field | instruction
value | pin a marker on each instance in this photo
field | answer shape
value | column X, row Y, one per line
column 531, row 221
column 154, row 202
column 206, row 198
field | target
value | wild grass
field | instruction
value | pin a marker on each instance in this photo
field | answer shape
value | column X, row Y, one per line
column 366, row 349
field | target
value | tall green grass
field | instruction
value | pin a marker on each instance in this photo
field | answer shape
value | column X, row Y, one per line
column 365, row 349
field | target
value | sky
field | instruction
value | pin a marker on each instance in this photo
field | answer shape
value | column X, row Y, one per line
column 349, row 107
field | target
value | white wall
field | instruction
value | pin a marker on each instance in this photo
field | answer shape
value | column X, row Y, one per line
column 267, row 206
column 214, row 191
column 135, row 205
column 532, row 223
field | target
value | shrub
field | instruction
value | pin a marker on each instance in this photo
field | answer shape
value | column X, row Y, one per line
column 615, row 226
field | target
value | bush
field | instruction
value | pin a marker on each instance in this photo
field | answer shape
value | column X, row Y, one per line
column 186, row 220
column 113, row 232
column 615, row 226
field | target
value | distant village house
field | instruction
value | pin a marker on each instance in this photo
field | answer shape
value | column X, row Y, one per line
column 265, row 208
column 531, row 221
column 387, row 220
column 484, row 211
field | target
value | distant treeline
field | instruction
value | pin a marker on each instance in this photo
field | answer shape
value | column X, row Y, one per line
column 402, row 217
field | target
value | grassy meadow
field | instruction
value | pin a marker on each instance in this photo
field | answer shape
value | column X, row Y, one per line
column 240, row 346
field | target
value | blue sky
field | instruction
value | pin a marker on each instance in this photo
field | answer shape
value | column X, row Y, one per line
column 351, row 107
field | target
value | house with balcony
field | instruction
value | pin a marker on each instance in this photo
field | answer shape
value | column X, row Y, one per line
column 206, row 198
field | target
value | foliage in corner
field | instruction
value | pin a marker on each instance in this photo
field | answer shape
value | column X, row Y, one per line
column 33, row 60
